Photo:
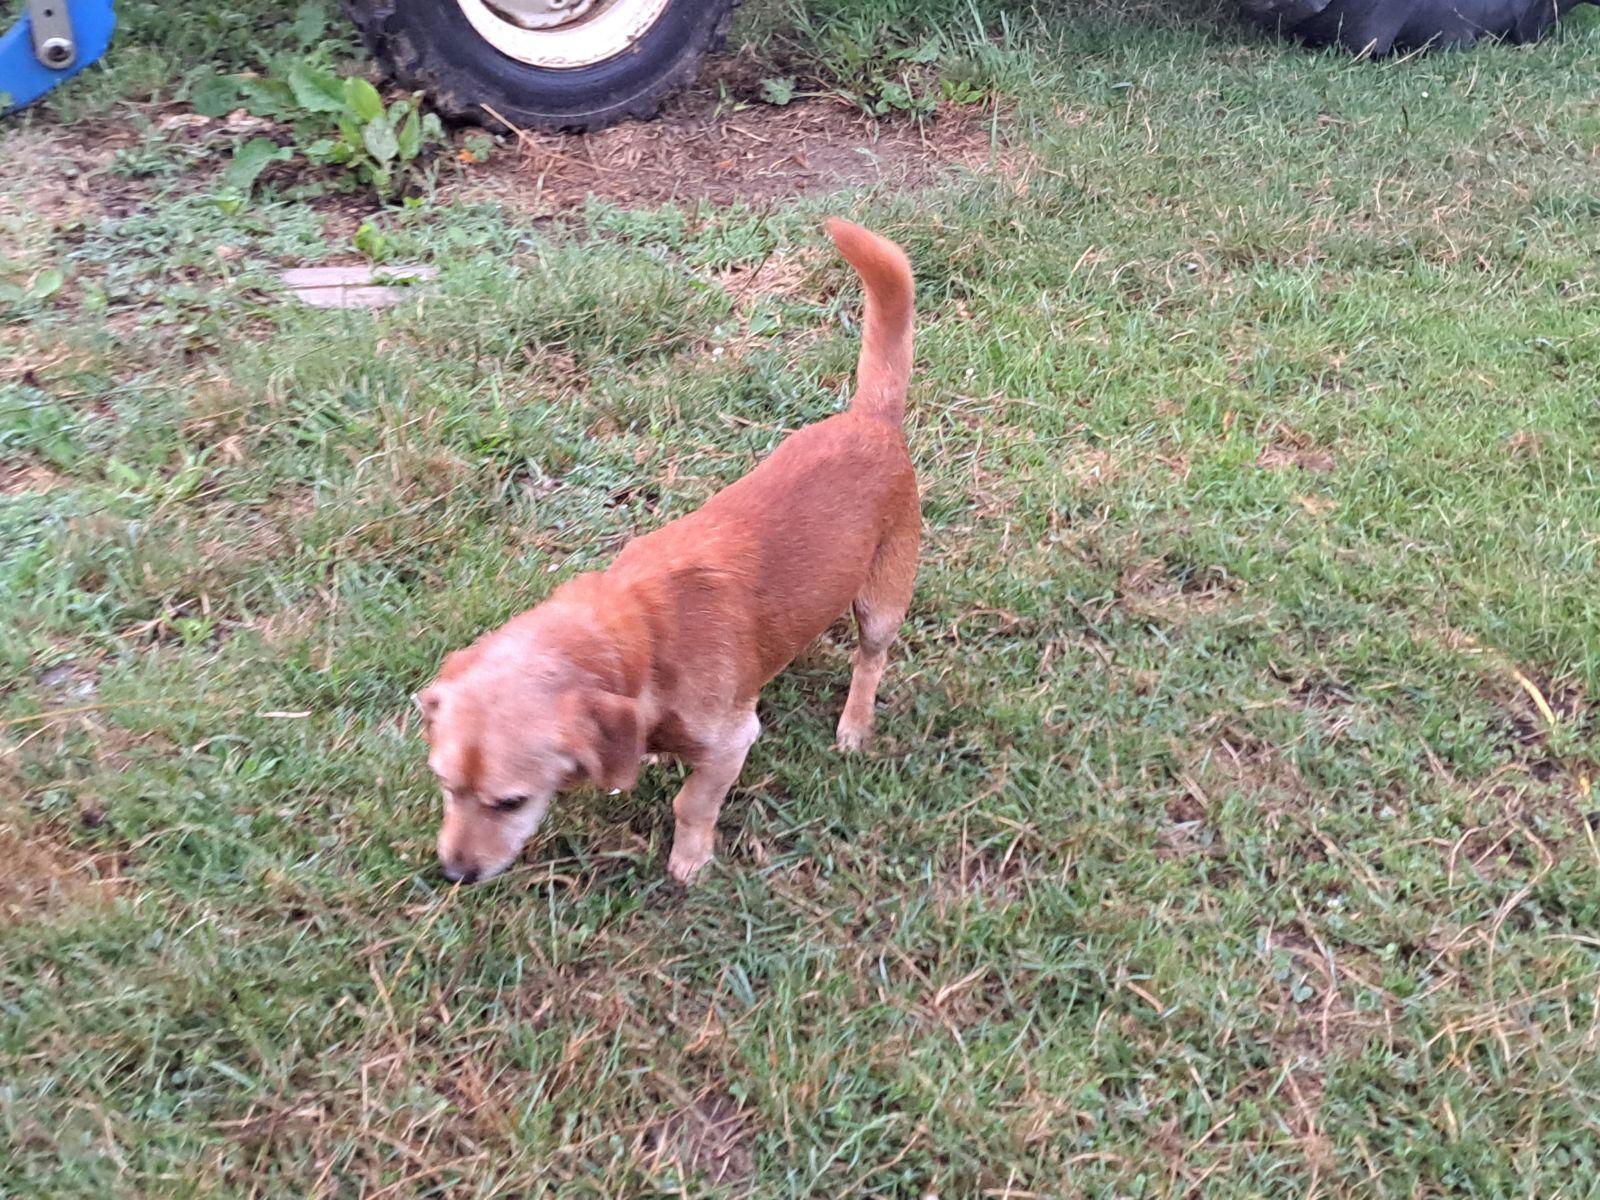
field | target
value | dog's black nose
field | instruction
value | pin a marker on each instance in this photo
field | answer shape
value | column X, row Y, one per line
column 459, row 874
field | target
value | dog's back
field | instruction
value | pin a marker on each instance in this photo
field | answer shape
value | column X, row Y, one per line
column 795, row 538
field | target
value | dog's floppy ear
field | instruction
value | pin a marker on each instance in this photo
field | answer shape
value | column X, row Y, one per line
column 607, row 738
column 427, row 702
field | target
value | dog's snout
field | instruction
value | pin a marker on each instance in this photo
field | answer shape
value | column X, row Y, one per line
column 459, row 874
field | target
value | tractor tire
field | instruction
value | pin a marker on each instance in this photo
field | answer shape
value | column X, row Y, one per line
column 470, row 58
column 1380, row 27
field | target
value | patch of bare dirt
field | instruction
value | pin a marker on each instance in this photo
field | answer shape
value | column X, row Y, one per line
column 1093, row 466
column 1185, row 833
column 18, row 478
column 999, row 873
column 781, row 275
column 1149, row 588
column 291, row 625
column 1525, row 444
column 709, row 1138
column 1257, row 768
column 61, row 186
column 1289, row 448
column 44, row 872
column 756, row 153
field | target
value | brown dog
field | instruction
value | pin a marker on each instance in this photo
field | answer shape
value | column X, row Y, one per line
column 666, row 650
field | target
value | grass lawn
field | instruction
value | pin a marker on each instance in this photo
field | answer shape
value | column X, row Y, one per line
column 1232, row 828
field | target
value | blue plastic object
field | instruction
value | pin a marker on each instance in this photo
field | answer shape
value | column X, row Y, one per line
column 23, row 78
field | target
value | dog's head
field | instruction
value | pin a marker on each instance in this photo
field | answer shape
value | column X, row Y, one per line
column 507, row 729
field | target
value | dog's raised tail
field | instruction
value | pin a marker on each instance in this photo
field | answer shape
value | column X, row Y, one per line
column 885, row 366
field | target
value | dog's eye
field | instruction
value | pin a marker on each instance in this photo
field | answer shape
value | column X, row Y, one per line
column 508, row 803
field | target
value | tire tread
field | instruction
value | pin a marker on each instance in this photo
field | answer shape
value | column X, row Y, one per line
column 457, row 96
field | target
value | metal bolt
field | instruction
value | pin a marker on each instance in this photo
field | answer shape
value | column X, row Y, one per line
column 56, row 51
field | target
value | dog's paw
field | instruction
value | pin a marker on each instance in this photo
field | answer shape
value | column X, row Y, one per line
column 854, row 736
column 684, row 865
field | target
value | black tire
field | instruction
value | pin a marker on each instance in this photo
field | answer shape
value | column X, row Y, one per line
column 429, row 44
column 1379, row 27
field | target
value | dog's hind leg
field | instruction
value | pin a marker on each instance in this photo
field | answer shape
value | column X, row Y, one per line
column 880, row 608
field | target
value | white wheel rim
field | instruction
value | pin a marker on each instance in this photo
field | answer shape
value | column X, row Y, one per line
column 606, row 30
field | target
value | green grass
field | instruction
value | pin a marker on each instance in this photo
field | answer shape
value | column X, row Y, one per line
column 1214, row 845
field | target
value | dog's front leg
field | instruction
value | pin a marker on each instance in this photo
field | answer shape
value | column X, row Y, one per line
column 696, row 806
